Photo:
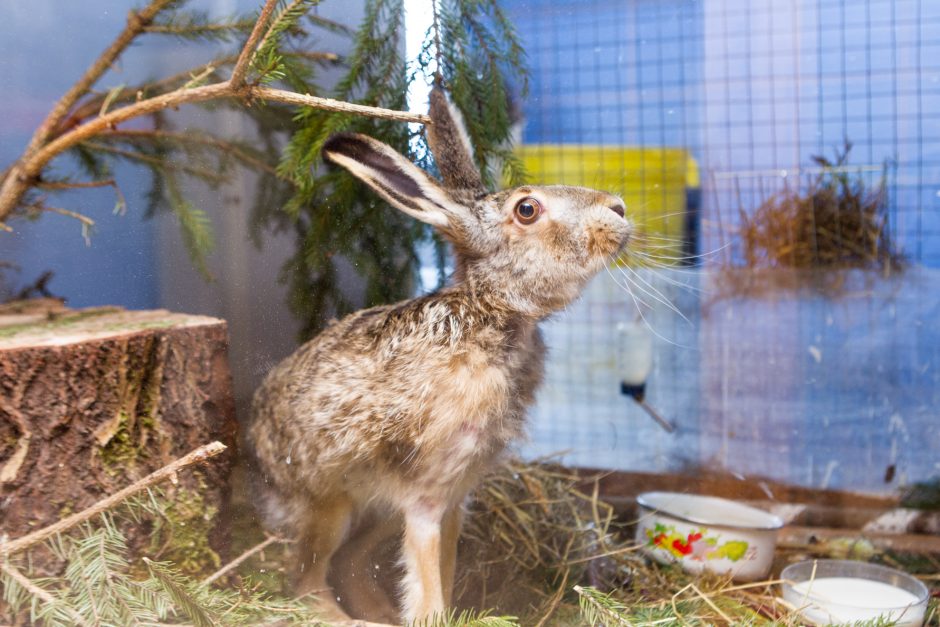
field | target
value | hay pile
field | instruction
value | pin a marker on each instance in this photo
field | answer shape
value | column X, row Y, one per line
column 835, row 222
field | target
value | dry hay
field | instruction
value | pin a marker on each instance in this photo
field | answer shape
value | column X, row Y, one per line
column 539, row 543
column 537, row 531
column 837, row 222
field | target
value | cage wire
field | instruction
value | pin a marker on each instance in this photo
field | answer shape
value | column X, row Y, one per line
column 698, row 112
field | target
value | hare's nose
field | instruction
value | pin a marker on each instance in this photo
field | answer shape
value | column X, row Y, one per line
column 618, row 209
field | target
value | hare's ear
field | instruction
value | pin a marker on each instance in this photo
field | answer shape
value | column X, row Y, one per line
column 390, row 174
column 450, row 145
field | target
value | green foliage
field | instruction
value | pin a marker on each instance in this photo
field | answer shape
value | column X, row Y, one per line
column 475, row 52
column 598, row 608
column 269, row 62
column 100, row 585
column 336, row 220
column 180, row 530
column 468, row 618
column 194, row 227
column 175, row 588
column 105, row 583
column 332, row 216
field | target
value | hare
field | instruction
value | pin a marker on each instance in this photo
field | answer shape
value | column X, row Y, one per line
column 401, row 408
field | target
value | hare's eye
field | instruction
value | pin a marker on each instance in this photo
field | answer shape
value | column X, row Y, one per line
column 528, row 210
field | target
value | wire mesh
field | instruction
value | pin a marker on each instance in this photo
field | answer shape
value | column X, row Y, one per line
column 751, row 91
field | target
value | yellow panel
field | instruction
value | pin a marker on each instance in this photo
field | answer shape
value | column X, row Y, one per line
column 652, row 181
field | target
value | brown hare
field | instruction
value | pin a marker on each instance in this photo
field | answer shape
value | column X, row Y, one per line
column 401, row 408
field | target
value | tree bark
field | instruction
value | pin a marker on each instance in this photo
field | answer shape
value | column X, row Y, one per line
column 93, row 400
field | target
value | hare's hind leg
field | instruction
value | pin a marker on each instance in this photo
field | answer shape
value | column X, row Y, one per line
column 363, row 564
column 422, row 592
column 325, row 530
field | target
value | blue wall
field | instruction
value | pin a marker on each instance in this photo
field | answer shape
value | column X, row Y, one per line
column 44, row 48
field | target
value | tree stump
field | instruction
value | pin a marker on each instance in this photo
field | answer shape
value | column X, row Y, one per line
column 92, row 400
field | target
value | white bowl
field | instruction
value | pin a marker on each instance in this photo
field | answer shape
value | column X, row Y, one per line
column 707, row 533
column 842, row 592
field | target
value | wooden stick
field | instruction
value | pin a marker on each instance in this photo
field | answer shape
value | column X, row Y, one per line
column 248, row 51
column 306, row 100
column 18, row 181
column 241, row 558
column 136, row 22
column 197, row 456
column 61, row 185
column 36, row 591
column 67, row 213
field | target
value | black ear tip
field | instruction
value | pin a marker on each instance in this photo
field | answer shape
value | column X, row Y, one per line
column 342, row 144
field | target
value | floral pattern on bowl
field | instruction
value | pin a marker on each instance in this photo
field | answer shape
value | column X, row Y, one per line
column 707, row 533
column 697, row 546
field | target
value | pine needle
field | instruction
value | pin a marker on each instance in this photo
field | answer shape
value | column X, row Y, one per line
column 175, row 589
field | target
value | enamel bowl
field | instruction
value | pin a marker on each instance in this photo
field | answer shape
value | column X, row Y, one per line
column 707, row 533
column 842, row 592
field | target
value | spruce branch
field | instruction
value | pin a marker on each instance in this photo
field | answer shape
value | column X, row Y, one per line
column 339, row 106
column 45, row 145
column 87, row 223
column 197, row 456
column 209, row 175
column 468, row 618
column 22, row 176
column 44, row 595
column 284, row 20
column 477, row 58
column 225, row 147
column 102, row 585
column 241, row 558
column 176, row 590
column 197, row 26
column 248, row 51
column 92, row 104
column 598, row 608
column 64, row 185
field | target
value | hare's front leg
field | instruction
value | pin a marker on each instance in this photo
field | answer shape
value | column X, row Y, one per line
column 450, row 532
column 422, row 591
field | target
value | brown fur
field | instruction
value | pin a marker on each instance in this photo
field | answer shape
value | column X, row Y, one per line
column 448, row 138
column 399, row 409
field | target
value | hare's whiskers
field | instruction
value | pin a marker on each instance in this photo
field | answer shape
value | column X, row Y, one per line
column 646, row 322
column 647, row 288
